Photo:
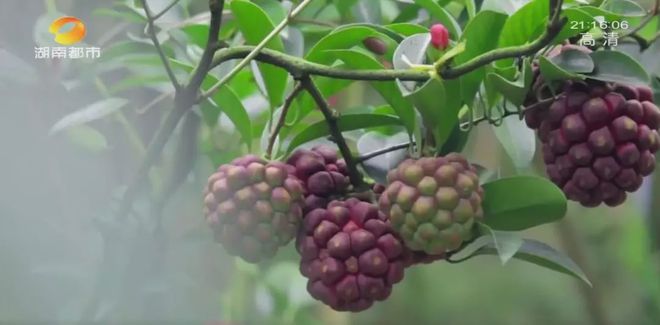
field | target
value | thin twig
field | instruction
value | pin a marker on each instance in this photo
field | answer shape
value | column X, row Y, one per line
column 183, row 101
column 383, row 151
column 314, row 22
column 164, row 11
column 335, row 131
column 151, row 30
column 280, row 123
column 274, row 33
column 299, row 67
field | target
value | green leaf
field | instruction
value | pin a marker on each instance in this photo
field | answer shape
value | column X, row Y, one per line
column 504, row 6
column 518, row 141
column 387, row 89
column 534, row 252
column 438, row 107
column 477, row 43
column 455, row 142
column 392, row 35
column 197, row 34
column 523, row 26
column 573, row 60
column 87, row 138
column 346, row 122
column 506, row 243
column 224, row 100
column 514, row 91
column 624, row 8
column 89, row 113
column 552, row 72
column 255, row 25
column 615, row 66
column 407, row 29
column 437, row 12
column 543, row 255
column 522, row 202
column 231, row 105
column 340, row 39
column 574, row 15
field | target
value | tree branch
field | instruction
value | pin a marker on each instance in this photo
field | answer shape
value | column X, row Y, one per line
column 151, row 30
column 205, row 63
column 299, row 67
column 285, row 110
column 335, row 131
column 183, row 101
column 276, row 31
column 555, row 25
column 383, row 151
column 164, row 11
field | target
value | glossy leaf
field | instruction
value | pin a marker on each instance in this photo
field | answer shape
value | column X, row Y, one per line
column 518, row 141
column 531, row 251
column 346, row 122
column 513, row 91
column 477, row 43
column 522, row 202
column 387, row 89
column 506, row 243
column 574, row 15
column 623, row 7
column 523, row 26
column 574, row 61
column 231, row 105
column 87, row 138
column 255, row 25
column 441, row 15
column 615, row 66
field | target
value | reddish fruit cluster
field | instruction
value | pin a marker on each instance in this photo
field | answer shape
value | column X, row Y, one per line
column 253, row 207
column 350, row 255
column 324, row 176
column 433, row 203
column 599, row 140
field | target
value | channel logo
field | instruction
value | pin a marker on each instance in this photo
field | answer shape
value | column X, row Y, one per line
column 72, row 35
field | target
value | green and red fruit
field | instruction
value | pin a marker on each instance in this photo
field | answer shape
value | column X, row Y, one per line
column 253, row 207
column 433, row 203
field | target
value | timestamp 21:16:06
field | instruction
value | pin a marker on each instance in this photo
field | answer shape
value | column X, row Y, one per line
column 581, row 25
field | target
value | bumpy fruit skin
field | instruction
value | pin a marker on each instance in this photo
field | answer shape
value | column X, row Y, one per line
column 324, row 176
column 350, row 255
column 433, row 203
column 253, row 207
column 599, row 140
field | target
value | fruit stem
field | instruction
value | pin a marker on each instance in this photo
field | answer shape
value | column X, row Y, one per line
column 331, row 119
column 280, row 123
column 383, row 151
